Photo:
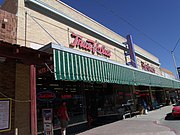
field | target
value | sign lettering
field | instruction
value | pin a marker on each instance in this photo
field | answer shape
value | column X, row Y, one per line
column 44, row 70
column 89, row 45
column 146, row 67
column 46, row 96
column 66, row 96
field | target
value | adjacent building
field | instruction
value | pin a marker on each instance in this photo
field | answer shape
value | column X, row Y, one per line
column 166, row 73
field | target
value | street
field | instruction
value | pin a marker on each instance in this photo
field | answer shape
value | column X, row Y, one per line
column 172, row 123
column 153, row 123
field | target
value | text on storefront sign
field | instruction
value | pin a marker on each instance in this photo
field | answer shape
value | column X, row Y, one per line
column 45, row 96
column 89, row 45
column 146, row 67
column 44, row 70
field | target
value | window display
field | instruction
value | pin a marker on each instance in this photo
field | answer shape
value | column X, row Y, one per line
column 110, row 99
column 51, row 95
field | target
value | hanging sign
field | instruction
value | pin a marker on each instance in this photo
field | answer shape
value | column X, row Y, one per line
column 89, row 45
column 46, row 96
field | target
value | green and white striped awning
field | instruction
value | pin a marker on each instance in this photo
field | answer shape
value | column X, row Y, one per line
column 75, row 67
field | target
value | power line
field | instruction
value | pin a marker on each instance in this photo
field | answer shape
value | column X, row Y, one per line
column 132, row 25
column 175, row 45
column 172, row 53
column 36, row 18
column 136, row 28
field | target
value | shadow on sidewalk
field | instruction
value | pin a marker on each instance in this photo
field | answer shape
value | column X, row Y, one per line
column 170, row 117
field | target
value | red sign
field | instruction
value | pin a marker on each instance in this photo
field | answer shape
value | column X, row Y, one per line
column 89, row 45
column 66, row 96
column 120, row 93
column 146, row 67
column 46, row 95
column 128, row 94
column 44, row 70
column 137, row 93
column 144, row 94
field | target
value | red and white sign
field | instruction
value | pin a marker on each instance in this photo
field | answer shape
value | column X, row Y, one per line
column 146, row 67
column 46, row 96
column 44, row 70
column 89, row 45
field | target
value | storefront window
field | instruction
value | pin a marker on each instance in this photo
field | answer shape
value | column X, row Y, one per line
column 110, row 98
column 54, row 93
column 109, row 105
column 159, row 97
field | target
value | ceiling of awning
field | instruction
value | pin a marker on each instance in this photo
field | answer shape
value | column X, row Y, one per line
column 23, row 54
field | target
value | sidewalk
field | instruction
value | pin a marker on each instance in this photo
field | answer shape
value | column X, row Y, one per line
column 140, row 125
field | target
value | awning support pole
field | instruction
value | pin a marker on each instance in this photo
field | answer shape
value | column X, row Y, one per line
column 151, row 95
column 33, row 100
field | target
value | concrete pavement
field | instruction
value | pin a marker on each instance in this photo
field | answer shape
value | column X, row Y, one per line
column 140, row 125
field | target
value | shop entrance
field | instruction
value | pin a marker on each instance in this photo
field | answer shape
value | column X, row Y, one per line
column 91, row 104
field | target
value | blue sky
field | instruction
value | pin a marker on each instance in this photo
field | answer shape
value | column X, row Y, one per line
column 154, row 24
column 1, row 1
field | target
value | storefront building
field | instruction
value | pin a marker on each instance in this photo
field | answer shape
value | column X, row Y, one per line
column 94, row 69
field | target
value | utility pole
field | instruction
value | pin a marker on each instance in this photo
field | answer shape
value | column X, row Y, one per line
column 175, row 66
column 172, row 53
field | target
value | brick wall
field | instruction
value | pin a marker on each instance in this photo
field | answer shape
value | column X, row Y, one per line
column 7, row 87
column 8, row 27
